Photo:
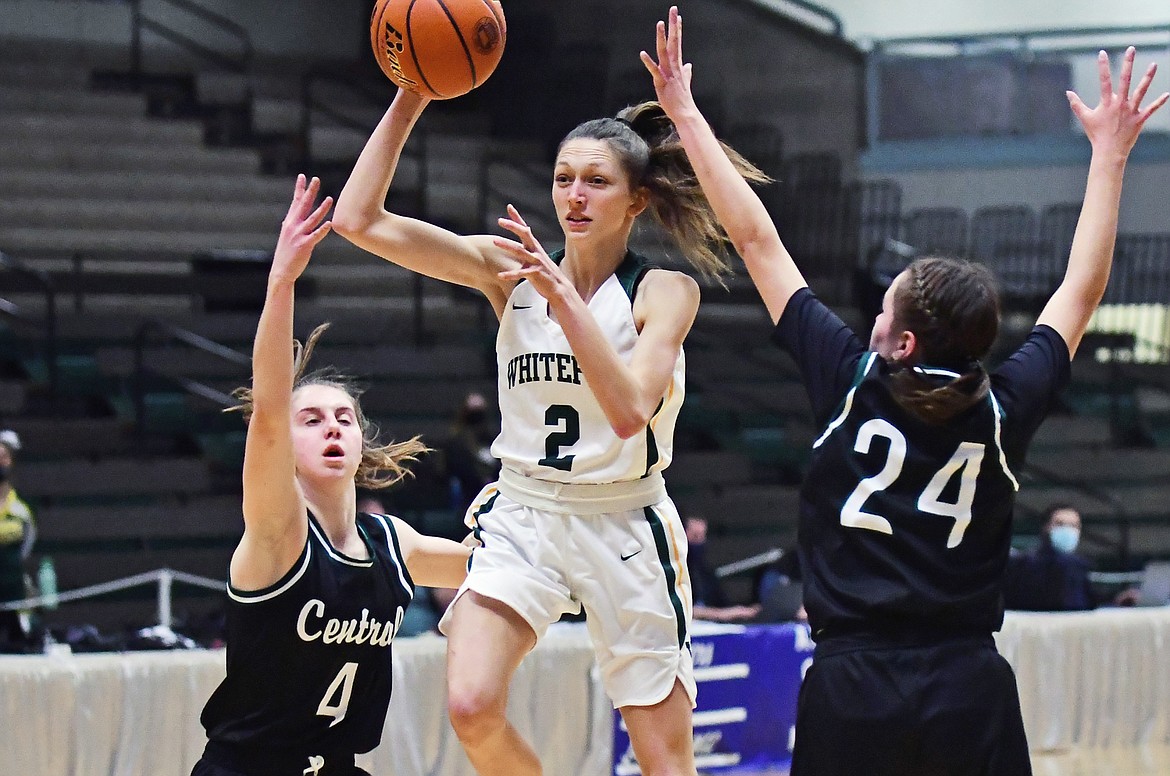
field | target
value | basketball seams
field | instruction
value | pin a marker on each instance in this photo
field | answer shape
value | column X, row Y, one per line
column 428, row 38
column 413, row 53
column 462, row 42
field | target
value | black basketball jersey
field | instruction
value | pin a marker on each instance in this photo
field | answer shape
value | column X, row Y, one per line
column 906, row 525
column 308, row 659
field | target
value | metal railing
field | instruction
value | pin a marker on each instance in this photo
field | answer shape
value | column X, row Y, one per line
column 239, row 61
column 815, row 16
column 164, row 578
column 169, row 332
column 48, row 322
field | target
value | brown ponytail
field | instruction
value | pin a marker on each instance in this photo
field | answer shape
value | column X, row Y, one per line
column 652, row 155
column 952, row 307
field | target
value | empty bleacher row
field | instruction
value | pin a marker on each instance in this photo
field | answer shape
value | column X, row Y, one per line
column 154, row 222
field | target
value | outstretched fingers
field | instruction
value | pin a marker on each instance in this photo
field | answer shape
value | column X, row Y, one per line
column 1105, row 77
column 1158, row 103
column 1127, row 72
column 674, row 36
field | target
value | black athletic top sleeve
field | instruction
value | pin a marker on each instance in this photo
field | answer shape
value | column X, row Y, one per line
column 308, row 659
column 906, row 526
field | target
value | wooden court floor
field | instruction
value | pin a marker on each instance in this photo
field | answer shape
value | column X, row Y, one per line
column 1113, row 761
column 1116, row 761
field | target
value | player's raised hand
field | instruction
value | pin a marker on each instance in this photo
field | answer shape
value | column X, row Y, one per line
column 672, row 77
column 303, row 227
column 535, row 265
column 1114, row 125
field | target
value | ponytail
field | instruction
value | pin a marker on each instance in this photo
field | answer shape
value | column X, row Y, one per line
column 648, row 146
column 952, row 307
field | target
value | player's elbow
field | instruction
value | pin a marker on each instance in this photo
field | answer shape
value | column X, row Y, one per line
column 630, row 425
column 349, row 220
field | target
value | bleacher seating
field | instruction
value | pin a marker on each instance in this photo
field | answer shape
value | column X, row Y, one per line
column 118, row 204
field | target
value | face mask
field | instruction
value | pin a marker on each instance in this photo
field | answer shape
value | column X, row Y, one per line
column 475, row 417
column 1064, row 538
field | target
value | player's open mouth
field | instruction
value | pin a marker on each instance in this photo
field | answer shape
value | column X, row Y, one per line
column 334, row 451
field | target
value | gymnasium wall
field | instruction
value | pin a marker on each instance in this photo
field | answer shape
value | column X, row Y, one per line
column 913, row 18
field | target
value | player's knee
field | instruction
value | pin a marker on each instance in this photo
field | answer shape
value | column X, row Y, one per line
column 475, row 713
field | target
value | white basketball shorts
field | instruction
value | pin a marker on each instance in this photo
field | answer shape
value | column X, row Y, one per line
column 627, row 569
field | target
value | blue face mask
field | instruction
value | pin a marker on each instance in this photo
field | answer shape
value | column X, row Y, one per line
column 1064, row 538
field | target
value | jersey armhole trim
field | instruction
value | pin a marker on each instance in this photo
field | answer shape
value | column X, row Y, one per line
column 997, row 414
column 862, row 370
column 396, row 554
column 268, row 593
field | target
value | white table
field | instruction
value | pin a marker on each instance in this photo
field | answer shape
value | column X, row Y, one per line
column 1087, row 679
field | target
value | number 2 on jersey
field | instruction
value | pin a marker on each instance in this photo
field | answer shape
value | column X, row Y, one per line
column 966, row 462
column 562, row 437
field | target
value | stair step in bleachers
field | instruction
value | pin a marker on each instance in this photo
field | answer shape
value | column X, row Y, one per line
column 70, row 102
column 1065, row 432
column 203, row 516
column 56, row 438
column 211, row 217
column 151, row 186
column 1107, row 466
column 98, row 156
column 114, row 477
column 695, row 471
column 143, row 131
column 741, row 508
column 113, row 238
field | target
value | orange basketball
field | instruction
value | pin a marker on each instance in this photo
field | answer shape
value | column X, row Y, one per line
column 438, row 48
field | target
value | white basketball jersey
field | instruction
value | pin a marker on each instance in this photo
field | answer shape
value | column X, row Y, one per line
column 553, row 428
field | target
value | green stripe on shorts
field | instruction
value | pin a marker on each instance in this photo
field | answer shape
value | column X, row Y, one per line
column 663, row 546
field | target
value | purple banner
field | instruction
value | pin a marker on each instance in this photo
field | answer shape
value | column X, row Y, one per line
column 748, row 679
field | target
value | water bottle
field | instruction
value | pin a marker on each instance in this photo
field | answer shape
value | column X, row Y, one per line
column 47, row 582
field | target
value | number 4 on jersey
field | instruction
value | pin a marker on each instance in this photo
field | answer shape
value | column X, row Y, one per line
column 966, row 461
column 341, row 685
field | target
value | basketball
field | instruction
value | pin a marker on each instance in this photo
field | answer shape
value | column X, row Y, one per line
column 438, row 48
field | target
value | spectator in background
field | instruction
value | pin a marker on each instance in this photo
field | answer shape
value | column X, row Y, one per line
column 468, row 454
column 17, row 534
column 1052, row 577
column 710, row 601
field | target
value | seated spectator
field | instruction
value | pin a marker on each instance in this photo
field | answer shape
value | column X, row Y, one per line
column 779, row 589
column 1052, row 577
column 17, row 534
column 468, row 457
column 710, row 601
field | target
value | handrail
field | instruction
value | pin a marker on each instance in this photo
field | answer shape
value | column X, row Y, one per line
column 164, row 578
column 818, row 11
column 49, row 326
column 171, row 332
column 311, row 105
column 487, row 189
column 237, row 63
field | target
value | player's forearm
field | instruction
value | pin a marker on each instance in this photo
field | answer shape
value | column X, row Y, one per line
column 1091, row 256
column 363, row 198
column 623, row 399
column 272, row 353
